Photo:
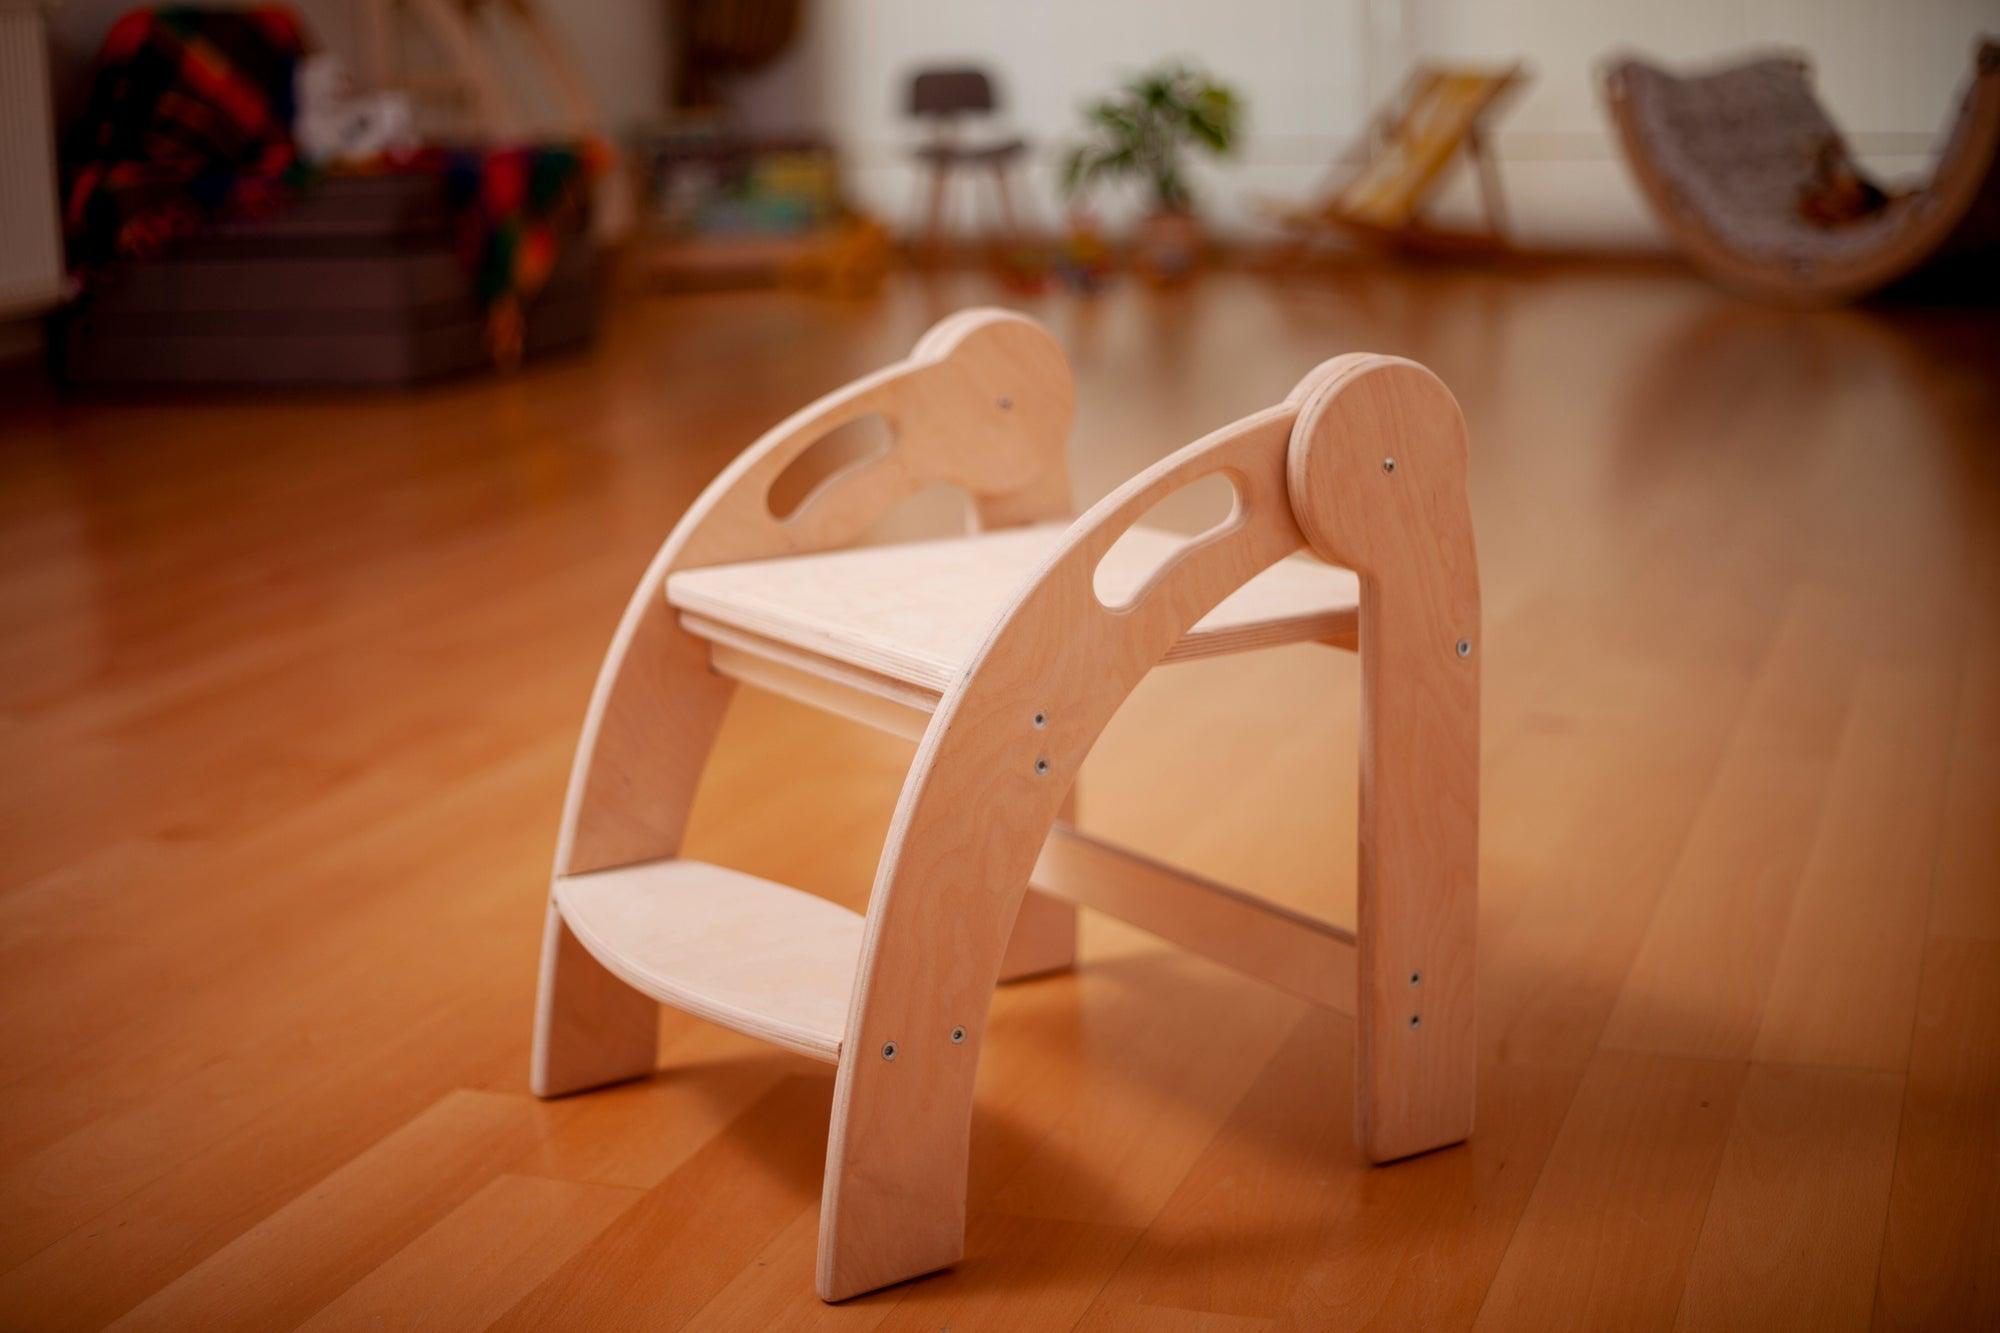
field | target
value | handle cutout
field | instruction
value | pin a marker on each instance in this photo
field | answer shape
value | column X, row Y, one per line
column 1210, row 505
column 821, row 465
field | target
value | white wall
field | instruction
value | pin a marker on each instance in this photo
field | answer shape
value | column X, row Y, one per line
column 1311, row 69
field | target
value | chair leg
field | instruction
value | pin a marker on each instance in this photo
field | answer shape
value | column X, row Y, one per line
column 1417, row 914
column 1044, row 937
column 653, row 718
column 1010, row 226
column 590, row 1028
column 931, row 245
column 1407, row 531
column 893, row 1206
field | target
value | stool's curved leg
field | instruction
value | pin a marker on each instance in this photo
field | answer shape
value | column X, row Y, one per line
column 1377, row 478
column 983, row 402
column 652, row 720
column 1006, row 743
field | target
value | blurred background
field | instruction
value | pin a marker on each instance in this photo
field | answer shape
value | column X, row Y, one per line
column 816, row 143
column 357, row 357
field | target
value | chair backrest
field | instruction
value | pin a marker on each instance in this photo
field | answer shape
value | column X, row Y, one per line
column 950, row 91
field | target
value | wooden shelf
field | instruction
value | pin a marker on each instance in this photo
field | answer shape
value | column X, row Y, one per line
column 758, row 957
column 914, row 614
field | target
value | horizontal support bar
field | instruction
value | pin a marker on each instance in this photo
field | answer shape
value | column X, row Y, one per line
column 825, row 683
column 874, row 701
column 1307, row 957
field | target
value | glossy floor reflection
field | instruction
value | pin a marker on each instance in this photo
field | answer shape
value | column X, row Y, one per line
column 290, row 686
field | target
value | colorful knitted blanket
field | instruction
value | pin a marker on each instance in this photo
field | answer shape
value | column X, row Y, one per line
column 513, row 207
column 189, row 119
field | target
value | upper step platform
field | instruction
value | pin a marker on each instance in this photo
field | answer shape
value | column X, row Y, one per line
column 914, row 614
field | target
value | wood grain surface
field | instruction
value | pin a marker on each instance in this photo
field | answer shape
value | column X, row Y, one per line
column 291, row 687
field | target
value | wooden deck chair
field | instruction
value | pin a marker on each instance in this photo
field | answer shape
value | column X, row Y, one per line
column 1729, row 158
column 1007, row 650
column 1443, row 110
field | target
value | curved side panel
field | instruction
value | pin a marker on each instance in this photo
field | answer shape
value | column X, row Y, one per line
column 1377, row 476
column 1006, row 743
column 983, row 402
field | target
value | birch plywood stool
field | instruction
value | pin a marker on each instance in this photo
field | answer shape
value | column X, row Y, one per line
column 1007, row 651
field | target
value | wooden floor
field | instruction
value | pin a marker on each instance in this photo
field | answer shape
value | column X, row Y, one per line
column 290, row 687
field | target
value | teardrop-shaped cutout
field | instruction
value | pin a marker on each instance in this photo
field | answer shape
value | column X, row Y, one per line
column 846, row 448
column 1205, row 506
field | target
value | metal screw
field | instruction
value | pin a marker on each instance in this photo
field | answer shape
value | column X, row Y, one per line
column 1465, row 647
column 1388, row 465
column 1006, row 404
column 888, row 1050
column 1416, row 978
column 1041, row 720
column 957, row 1036
column 1416, row 1020
column 1041, row 767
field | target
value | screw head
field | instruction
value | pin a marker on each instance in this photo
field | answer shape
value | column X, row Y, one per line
column 1007, row 404
column 888, row 1050
column 1388, row 465
column 1041, row 767
column 1416, row 978
column 1041, row 720
column 957, row 1036
column 1465, row 647
column 1416, row 1021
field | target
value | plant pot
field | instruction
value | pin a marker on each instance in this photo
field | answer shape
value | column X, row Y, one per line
column 1168, row 246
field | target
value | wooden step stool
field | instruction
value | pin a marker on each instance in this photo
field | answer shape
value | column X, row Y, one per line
column 1007, row 651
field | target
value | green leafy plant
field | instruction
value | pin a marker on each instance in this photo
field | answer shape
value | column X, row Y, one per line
column 1147, row 126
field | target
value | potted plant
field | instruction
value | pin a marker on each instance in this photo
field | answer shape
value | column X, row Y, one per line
column 1145, row 130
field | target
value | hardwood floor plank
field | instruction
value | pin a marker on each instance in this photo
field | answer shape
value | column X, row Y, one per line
column 480, row 1258
column 140, row 1243
column 1125, row 1317
column 1612, row 1225
column 637, row 1134
column 1940, row 1265
column 299, row 1258
column 666, row 1257
column 1135, row 1126
column 775, row 1290
column 1794, row 1223
column 1018, row 1272
column 1724, row 914
column 1964, row 903
column 289, row 686
column 1844, row 986
column 1261, row 1202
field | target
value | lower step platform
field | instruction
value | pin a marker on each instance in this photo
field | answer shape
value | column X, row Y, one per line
column 758, row 957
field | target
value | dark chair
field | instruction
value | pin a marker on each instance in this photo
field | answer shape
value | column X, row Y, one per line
column 943, row 97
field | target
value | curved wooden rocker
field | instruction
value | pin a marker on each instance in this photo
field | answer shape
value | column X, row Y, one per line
column 1007, row 651
column 1723, row 158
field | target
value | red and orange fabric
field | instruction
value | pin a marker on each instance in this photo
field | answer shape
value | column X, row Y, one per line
column 189, row 119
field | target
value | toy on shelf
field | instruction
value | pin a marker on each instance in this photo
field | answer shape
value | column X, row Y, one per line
column 728, row 210
column 1005, row 652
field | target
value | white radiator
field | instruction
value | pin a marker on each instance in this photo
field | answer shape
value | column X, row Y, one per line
column 31, row 268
